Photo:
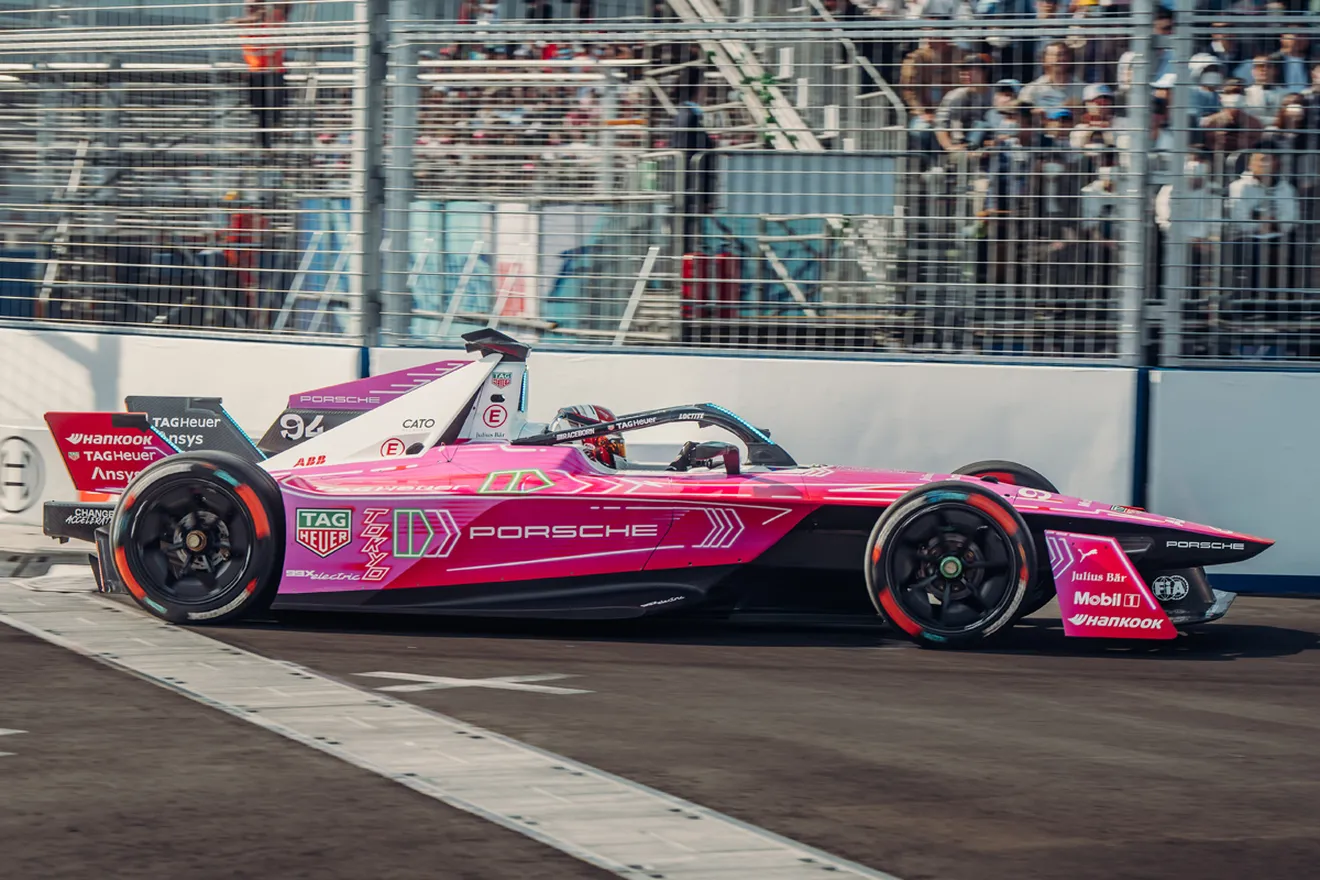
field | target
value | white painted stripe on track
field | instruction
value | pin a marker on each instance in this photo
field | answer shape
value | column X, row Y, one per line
column 617, row 824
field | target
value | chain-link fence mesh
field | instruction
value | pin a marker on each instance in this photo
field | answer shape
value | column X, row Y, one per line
column 181, row 166
column 991, row 179
column 782, row 181
column 1237, row 212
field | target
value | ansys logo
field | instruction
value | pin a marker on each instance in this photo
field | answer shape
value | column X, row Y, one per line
column 324, row 531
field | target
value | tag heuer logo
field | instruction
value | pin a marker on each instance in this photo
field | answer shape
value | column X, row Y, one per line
column 501, row 380
column 324, row 531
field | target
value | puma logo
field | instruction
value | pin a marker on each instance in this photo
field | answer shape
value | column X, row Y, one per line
column 1091, row 552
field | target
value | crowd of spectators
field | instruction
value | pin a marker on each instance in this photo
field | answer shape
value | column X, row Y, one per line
column 1038, row 128
column 526, row 129
column 1030, row 127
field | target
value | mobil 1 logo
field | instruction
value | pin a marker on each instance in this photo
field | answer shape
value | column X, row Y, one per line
column 323, row 531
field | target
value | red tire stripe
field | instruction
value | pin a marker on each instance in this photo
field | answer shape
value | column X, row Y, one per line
column 259, row 518
column 996, row 511
column 897, row 615
column 134, row 588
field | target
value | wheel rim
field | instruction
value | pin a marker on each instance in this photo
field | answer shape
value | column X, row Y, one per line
column 190, row 542
column 950, row 567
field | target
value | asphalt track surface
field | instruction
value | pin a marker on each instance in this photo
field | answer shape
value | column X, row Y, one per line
column 1044, row 758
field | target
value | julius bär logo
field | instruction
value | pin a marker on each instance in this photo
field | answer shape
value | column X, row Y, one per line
column 324, row 531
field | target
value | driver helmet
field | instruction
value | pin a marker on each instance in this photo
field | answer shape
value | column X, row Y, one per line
column 606, row 449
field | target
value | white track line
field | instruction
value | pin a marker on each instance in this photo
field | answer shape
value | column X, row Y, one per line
column 608, row 821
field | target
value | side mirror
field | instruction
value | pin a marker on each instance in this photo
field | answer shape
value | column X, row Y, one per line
column 706, row 453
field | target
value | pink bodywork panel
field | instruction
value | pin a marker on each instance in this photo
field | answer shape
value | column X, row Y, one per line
column 369, row 393
column 1100, row 593
column 487, row 512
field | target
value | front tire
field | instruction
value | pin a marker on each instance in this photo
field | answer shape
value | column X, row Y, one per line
column 949, row 564
column 199, row 538
column 996, row 470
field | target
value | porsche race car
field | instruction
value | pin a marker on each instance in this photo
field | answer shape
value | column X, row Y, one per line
column 427, row 490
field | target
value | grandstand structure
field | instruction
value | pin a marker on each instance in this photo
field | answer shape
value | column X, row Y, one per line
column 1021, row 179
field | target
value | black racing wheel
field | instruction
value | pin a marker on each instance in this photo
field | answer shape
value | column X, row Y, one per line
column 199, row 538
column 996, row 470
column 949, row 564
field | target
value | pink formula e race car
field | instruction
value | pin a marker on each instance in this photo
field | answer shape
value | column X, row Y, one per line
column 427, row 490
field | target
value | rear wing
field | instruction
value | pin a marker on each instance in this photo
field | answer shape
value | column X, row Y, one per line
column 104, row 451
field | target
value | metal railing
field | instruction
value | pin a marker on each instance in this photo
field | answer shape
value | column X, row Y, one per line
column 753, row 175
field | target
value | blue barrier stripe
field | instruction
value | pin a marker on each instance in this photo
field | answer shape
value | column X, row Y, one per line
column 1141, row 438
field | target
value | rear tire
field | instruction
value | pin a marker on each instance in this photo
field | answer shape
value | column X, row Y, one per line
column 199, row 538
column 957, row 542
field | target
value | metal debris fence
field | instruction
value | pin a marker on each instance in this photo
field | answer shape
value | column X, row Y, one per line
column 1012, row 179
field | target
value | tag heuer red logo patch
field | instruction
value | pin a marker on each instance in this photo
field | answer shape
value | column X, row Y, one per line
column 501, row 380
column 324, row 531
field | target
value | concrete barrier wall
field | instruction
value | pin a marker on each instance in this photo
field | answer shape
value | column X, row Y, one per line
column 43, row 371
column 1242, row 450
column 1076, row 426
column 46, row 370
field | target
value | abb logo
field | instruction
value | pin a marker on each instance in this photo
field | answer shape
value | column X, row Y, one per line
column 310, row 461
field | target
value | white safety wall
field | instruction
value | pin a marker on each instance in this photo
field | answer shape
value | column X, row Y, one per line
column 1240, row 450
column 1075, row 425
column 44, row 371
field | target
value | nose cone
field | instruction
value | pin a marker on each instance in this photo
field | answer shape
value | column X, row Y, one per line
column 1198, row 545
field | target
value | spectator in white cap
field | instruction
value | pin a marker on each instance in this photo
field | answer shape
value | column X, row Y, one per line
column 1097, row 125
column 1208, row 74
column 1002, row 114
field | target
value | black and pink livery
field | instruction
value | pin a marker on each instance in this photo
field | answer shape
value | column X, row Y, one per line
column 407, row 497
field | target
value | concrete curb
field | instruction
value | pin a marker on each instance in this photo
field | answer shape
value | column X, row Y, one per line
column 26, row 552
